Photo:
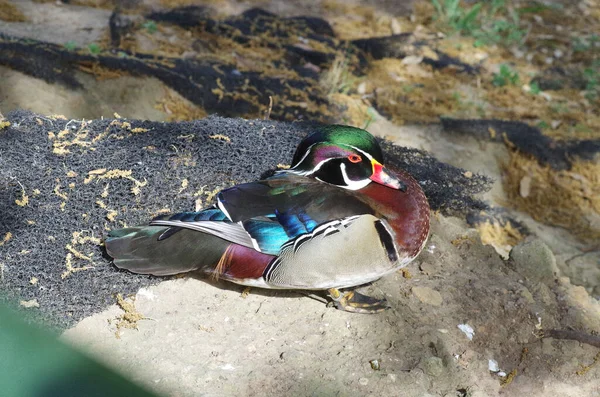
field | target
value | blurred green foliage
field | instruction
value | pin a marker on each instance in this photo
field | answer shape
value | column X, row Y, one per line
column 33, row 362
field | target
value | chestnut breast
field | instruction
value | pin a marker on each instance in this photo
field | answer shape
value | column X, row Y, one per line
column 406, row 212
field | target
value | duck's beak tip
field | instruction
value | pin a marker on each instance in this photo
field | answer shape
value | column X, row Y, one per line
column 384, row 177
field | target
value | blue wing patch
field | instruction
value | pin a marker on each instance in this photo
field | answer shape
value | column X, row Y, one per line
column 295, row 224
column 271, row 234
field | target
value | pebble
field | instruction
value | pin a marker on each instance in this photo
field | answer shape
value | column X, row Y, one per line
column 362, row 88
column 433, row 366
column 428, row 295
column 375, row 365
column 363, row 381
column 535, row 261
column 427, row 268
column 395, row 26
column 30, row 303
column 527, row 295
column 525, row 186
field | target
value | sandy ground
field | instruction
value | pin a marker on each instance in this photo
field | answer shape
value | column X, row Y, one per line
column 204, row 339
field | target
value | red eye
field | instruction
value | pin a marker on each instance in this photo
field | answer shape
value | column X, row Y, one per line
column 354, row 158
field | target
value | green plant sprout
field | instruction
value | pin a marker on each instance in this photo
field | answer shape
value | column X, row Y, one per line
column 94, row 48
column 505, row 76
column 150, row 26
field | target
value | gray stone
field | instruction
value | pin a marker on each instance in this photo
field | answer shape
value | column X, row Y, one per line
column 433, row 366
column 535, row 261
column 527, row 296
column 428, row 295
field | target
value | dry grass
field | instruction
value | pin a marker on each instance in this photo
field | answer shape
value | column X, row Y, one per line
column 183, row 3
column 412, row 92
column 178, row 108
column 503, row 237
column 356, row 110
column 101, row 73
column 10, row 13
column 130, row 317
column 570, row 198
column 339, row 77
column 357, row 21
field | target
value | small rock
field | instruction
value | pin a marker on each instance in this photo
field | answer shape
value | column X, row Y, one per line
column 30, row 303
column 433, row 366
column 528, row 296
column 189, row 55
column 535, row 261
column 375, row 365
column 428, row 295
column 580, row 296
column 412, row 60
column 427, row 268
column 363, row 381
column 593, row 219
column 362, row 88
column 395, row 26
column 467, row 330
column 544, row 294
column 525, row 186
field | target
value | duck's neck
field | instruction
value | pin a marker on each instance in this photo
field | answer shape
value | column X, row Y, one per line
column 406, row 212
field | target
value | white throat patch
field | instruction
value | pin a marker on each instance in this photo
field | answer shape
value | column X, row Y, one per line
column 350, row 184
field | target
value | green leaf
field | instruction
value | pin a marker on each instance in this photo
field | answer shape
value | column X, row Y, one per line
column 94, row 48
column 70, row 45
column 471, row 15
column 452, row 8
column 543, row 125
column 438, row 7
column 150, row 27
column 504, row 76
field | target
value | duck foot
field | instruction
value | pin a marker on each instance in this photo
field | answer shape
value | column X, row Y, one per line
column 352, row 301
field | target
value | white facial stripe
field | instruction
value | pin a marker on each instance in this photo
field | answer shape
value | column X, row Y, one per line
column 350, row 184
column 310, row 172
column 305, row 155
column 367, row 155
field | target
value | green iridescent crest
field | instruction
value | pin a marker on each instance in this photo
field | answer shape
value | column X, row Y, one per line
column 340, row 135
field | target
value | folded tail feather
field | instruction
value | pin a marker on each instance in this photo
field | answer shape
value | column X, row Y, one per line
column 142, row 250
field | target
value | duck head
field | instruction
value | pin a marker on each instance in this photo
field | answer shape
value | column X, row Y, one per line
column 344, row 156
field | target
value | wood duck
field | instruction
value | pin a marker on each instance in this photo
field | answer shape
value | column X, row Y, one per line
column 336, row 219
